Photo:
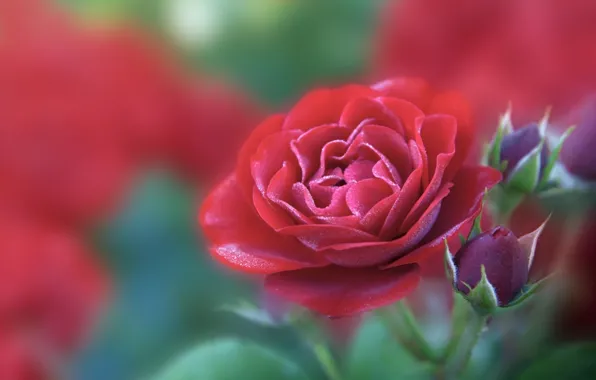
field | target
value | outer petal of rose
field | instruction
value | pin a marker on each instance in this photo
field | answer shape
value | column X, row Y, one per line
column 377, row 253
column 438, row 134
column 452, row 103
column 243, row 171
column 408, row 195
column 323, row 106
column 415, row 90
column 360, row 109
column 457, row 214
column 270, row 156
column 321, row 236
column 336, row 291
column 243, row 241
column 412, row 118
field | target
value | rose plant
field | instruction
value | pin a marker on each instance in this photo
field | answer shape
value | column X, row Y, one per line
column 340, row 201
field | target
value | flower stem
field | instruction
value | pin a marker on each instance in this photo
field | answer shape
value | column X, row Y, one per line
column 327, row 361
column 474, row 331
column 405, row 329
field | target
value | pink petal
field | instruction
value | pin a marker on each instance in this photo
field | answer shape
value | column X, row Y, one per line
column 415, row 90
column 358, row 171
column 376, row 253
column 336, row 291
column 407, row 198
column 241, row 240
column 303, row 200
column 373, row 221
column 308, row 146
column 369, row 109
column 363, row 195
column 321, row 236
column 438, row 133
column 270, row 156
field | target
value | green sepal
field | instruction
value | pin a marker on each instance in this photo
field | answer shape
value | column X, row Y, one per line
column 483, row 297
column 552, row 160
column 526, row 292
column 450, row 269
column 526, row 174
column 494, row 152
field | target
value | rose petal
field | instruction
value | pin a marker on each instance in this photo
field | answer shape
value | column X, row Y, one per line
column 359, row 170
column 243, row 169
column 241, row 240
column 383, row 172
column 304, row 201
column 369, row 109
column 321, row 236
column 407, row 198
column 451, row 103
column 415, row 90
column 323, row 106
column 362, row 196
column 376, row 253
column 391, row 147
column 308, row 146
column 374, row 219
column 273, row 151
column 336, row 291
column 350, row 221
column 438, row 134
column 457, row 215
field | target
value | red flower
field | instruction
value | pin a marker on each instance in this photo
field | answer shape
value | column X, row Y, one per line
column 77, row 109
column 51, row 290
column 534, row 53
column 339, row 201
column 215, row 122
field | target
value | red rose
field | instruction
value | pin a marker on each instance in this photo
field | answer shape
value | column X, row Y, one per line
column 51, row 291
column 216, row 120
column 338, row 201
column 534, row 53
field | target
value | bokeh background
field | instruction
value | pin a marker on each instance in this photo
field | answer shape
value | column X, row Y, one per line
column 117, row 116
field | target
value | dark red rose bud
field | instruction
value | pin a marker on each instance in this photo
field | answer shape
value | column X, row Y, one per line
column 517, row 145
column 504, row 259
column 578, row 154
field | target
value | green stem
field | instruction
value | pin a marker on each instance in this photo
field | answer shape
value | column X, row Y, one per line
column 327, row 361
column 459, row 319
column 475, row 330
column 405, row 329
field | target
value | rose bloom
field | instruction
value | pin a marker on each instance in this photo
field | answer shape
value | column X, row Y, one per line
column 52, row 289
column 341, row 200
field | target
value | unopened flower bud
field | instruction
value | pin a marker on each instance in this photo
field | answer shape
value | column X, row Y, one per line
column 504, row 259
column 516, row 145
column 578, row 154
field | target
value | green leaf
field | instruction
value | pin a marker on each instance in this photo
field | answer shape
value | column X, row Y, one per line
column 252, row 313
column 554, row 156
column 376, row 354
column 526, row 174
column 227, row 359
column 571, row 362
